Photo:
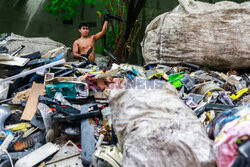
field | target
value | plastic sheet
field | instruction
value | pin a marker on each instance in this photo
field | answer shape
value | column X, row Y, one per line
column 225, row 145
column 4, row 114
column 215, row 126
column 44, row 45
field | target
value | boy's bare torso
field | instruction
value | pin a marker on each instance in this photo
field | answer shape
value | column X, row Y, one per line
column 85, row 44
column 82, row 45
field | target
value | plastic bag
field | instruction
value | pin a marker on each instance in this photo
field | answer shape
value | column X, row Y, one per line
column 214, row 35
column 155, row 128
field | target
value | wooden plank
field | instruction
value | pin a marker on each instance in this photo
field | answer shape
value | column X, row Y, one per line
column 31, row 106
column 84, row 77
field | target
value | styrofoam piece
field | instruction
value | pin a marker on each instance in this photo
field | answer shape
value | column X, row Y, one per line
column 37, row 156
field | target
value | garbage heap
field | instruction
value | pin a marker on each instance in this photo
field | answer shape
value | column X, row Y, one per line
column 156, row 124
column 198, row 34
column 58, row 113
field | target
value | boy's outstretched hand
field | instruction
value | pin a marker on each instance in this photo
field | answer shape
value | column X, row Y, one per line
column 106, row 17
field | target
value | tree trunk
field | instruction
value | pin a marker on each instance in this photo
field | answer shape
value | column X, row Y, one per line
column 120, row 47
column 134, row 10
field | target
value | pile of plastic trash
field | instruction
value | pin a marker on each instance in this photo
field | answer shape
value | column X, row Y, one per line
column 58, row 113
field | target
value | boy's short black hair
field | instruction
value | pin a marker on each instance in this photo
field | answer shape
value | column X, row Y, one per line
column 83, row 25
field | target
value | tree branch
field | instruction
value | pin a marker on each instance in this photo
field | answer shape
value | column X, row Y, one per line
column 111, row 23
column 133, row 14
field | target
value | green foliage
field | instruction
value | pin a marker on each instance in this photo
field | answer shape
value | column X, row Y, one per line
column 66, row 8
column 63, row 8
column 99, row 48
column 90, row 2
column 110, row 37
column 103, row 5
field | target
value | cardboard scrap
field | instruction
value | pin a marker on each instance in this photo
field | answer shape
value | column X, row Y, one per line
column 23, row 95
column 31, row 106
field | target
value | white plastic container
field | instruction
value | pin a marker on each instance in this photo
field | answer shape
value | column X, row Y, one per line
column 4, row 89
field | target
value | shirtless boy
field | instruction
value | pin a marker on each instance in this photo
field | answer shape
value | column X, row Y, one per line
column 84, row 44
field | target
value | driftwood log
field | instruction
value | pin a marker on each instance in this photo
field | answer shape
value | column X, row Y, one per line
column 213, row 35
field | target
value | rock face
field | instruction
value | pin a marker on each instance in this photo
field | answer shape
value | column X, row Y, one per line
column 155, row 128
column 213, row 35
